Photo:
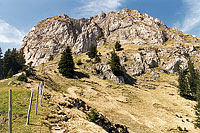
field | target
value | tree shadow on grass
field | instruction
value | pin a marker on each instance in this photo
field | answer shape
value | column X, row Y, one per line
column 79, row 75
column 192, row 98
column 32, row 124
column 129, row 80
column 120, row 49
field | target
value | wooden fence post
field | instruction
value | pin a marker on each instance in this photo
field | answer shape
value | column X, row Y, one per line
column 29, row 110
column 42, row 91
column 10, row 112
column 37, row 100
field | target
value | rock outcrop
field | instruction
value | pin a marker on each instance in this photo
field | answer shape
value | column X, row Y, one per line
column 52, row 35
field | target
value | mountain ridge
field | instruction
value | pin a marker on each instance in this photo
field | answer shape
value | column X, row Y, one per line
column 50, row 36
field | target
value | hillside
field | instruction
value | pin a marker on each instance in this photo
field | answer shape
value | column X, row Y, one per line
column 144, row 100
column 151, row 105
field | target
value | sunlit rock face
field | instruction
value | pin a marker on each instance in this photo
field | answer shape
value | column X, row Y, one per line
column 52, row 35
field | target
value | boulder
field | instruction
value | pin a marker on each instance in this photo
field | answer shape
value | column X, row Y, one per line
column 136, row 65
column 11, row 83
column 172, row 64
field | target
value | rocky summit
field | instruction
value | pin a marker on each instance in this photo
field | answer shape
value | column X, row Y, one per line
column 52, row 35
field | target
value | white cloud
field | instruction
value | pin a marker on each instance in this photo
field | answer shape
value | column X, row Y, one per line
column 94, row 7
column 10, row 34
column 191, row 22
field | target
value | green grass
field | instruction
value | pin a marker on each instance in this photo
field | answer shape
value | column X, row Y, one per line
column 20, row 104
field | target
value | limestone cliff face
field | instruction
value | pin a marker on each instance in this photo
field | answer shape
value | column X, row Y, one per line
column 52, row 35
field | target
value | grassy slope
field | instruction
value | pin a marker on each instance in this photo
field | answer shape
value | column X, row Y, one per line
column 139, row 108
column 20, row 108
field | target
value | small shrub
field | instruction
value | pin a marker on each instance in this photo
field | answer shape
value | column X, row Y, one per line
column 22, row 77
column 179, row 128
column 92, row 52
column 97, row 59
column 28, row 69
column 88, row 61
column 182, row 130
column 93, row 115
column 79, row 62
column 118, row 46
column 51, row 58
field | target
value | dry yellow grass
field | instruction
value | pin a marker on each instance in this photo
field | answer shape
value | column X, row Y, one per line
column 141, row 109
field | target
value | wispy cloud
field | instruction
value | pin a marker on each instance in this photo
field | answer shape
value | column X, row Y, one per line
column 191, row 22
column 94, row 7
column 10, row 34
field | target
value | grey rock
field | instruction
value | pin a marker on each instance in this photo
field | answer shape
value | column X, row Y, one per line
column 137, row 66
column 52, row 35
column 155, row 75
column 172, row 64
column 11, row 83
column 151, row 58
column 104, row 72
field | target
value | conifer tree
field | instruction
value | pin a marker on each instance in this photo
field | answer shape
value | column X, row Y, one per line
column 1, row 64
column 115, row 64
column 197, row 109
column 29, row 70
column 20, row 60
column 66, row 64
column 183, row 84
column 92, row 52
column 13, row 61
column 192, row 79
column 189, row 82
column 10, row 73
column 197, row 112
column 117, row 46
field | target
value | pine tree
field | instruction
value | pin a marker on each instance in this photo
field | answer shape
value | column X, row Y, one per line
column 13, row 60
column 10, row 73
column 92, row 52
column 189, row 82
column 117, row 46
column 1, row 65
column 197, row 110
column 183, row 84
column 29, row 70
column 20, row 60
column 192, row 79
column 66, row 64
column 115, row 64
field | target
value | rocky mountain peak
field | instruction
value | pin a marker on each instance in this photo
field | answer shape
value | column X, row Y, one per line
column 52, row 35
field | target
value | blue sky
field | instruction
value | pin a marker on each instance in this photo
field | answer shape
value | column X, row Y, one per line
column 17, row 17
